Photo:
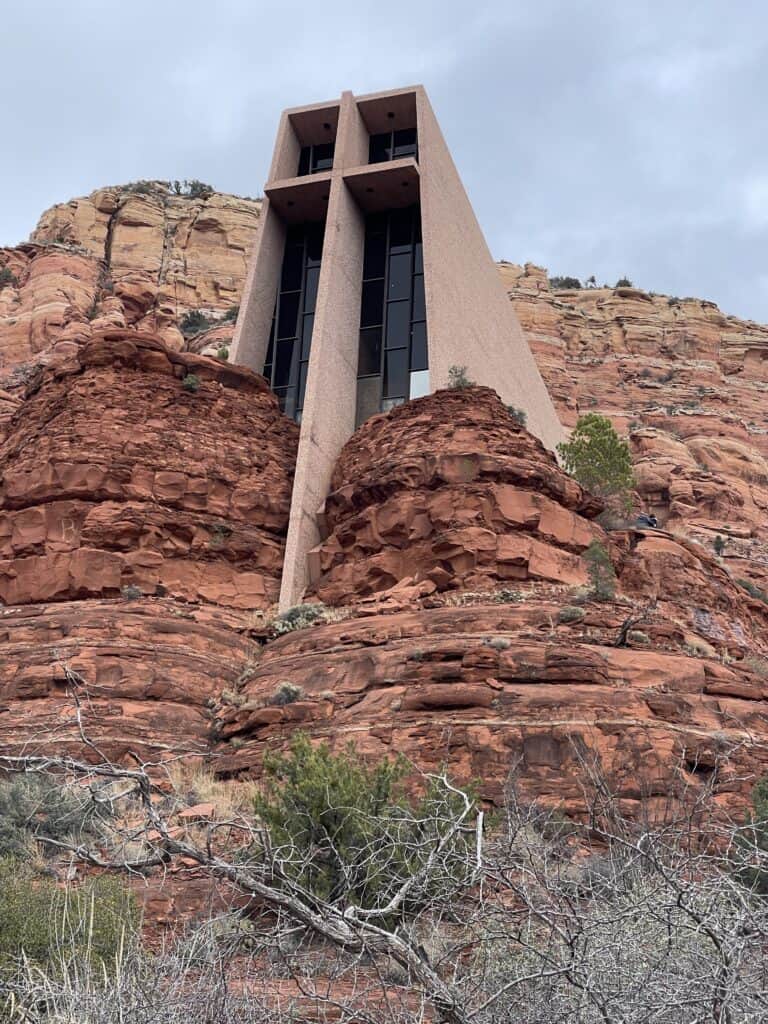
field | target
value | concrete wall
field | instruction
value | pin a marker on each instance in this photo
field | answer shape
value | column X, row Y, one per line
column 328, row 419
column 470, row 319
column 251, row 338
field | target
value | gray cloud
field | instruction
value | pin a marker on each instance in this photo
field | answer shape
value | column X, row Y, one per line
column 593, row 137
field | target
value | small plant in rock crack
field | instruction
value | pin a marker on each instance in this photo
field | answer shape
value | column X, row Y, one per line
column 286, row 693
column 457, row 377
column 191, row 383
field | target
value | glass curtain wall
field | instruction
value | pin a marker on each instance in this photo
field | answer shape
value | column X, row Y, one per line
column 392, row 355
column 291, row 335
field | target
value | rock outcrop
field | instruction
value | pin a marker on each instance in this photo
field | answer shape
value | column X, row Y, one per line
column 450, row 490
column 137, row 256
column 143, row 510
column 687, row 383
column 530, row 675
column 142, row 523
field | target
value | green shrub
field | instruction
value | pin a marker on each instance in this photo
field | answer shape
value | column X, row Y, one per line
column 753, row 590
column 286, row 693
column 141, row 188
column 232, row 314
column 518, row 415
column 298, row 617
column 347, row 832
column 191, row 383
column 599, row 459
column 571, row 613
column 222, row 352
column 193, row 189
column 457, row 377
column 558, row 284
column 45, row 922
column 7, row 277
column 624, row 282
column 601, row 572
column 35, row 805
column 718, row 544
column 193, row 322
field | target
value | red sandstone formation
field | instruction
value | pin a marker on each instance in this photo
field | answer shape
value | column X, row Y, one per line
column 530, row 678
column 118, row 483
column 141, row 524
column 685, row 381
column 450, row 490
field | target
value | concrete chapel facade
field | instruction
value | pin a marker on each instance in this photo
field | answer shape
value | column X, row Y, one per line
column 370, row 278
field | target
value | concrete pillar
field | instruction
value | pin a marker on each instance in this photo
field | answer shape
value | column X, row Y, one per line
column 328, row 419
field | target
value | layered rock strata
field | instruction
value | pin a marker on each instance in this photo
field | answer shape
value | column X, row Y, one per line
column 512, row 667
column 687, row 383
column 143, row 511
column 452, row 491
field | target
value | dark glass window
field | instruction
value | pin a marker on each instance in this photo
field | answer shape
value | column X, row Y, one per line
column 293, row 267
column 419, row 306
column 398, row 324
column 393, row 329
column 419, row 347
column 375, row 261
column 310, row 289
column 372, row 310
column 289, row 312
column 399, row 284
column 369, row 356
column 286, row 363
column 404, row 143
column 380, row 148
column 394, row 145
column 315, row 158
column 396, row 374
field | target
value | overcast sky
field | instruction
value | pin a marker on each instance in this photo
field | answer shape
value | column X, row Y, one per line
column 600, row 137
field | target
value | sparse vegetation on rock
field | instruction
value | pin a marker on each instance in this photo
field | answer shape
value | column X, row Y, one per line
column 601, row 572
column 457, row 377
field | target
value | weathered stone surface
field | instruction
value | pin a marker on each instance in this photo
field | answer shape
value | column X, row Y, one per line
column 450, row 489
column 114, row 475
column 685, row 381
column 145, row 673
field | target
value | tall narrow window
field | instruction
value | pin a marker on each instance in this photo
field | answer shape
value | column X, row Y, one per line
column 291, row 335
column 392, row 355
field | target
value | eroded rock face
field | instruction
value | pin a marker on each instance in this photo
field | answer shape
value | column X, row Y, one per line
column 450, row 491
column 118, row 483
column 140, row 674
column 685, row 381
column 133, row 256
column 525, row 675
column 116, row 475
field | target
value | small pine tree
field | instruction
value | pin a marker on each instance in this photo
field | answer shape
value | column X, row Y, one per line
column 601, row 572
column 718, row 544
column 599, row 459
column 624, row 282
